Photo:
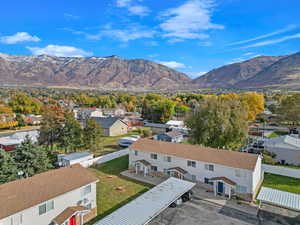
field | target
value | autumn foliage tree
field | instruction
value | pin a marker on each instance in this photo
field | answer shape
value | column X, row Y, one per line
column 218, row 123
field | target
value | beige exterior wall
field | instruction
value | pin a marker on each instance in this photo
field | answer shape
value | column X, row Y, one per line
column 119, row 128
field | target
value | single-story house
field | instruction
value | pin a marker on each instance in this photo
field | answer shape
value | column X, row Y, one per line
column 112, row 126
column 226, row 172
column 158, row 128
column 176, row 123
column 10, row 143
column 73, row 158
column 286, row 148
column 85, row 113
column 171, row 136
column 57, row 197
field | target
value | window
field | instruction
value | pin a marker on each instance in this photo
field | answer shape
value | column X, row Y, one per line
column 153, row 156
column 240, row 173
column 154, row 168
column 241, row 189
column 209, row 167
column 135, row 153
column 46, row 207
column 193, row 177
column 89, row 206
column 167, row 159
column 191, row 163
column 86, row 190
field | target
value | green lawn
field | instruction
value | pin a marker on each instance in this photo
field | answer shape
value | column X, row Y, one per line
column 109, row 144
column 277, row 133
column 282, row 183
column 108, row 198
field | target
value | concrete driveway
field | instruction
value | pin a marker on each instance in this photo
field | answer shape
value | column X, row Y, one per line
column 201, row 212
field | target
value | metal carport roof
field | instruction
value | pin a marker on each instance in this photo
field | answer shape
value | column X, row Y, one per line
column 279, row 198
column 143, row 209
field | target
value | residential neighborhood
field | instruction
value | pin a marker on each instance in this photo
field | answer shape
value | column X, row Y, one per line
column 98, row 167
column 139, row 112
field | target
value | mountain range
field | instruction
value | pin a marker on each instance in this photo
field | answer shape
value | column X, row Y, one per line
column 113, row 72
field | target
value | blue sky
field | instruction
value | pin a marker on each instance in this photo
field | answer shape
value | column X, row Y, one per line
column 192, row 36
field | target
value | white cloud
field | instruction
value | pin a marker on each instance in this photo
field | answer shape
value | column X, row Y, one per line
column 189, row 20
column 205, row 43
column 138, row 10
column 133, row 9
column 59, row 50
column 123, row 3
column 71, row 16
column 284, row 30
column 132, row 33
column 195, row 74
column 274, row 41
column 173, row 64
column 19, row 38
column 249, row 53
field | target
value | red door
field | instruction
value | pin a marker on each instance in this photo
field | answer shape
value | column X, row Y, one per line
column 73, row 220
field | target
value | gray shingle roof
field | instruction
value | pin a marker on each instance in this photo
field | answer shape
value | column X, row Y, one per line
column 106, row 122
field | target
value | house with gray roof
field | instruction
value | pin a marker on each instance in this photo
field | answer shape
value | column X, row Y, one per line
column 112, row 126
column 286, row 148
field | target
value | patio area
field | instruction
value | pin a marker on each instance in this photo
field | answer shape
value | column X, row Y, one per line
column 202, row 192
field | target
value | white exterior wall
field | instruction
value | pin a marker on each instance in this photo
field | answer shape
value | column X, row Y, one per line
column 31, row 215
column 257, row 175
column 199, row 171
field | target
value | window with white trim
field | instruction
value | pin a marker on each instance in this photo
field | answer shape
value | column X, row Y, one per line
column 191, row 163
column 153, row 156
column 135, row 153
column 154, row 168
column 241, row 189
column 209, row 167
column 86, row 190
column 167, row 158
column 46, row 207
column 240, row 173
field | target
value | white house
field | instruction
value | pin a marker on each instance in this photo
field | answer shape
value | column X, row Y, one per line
column 11, row 142
column 175, row 123
column 65, row 196
column 286, row 148
column 85, row 113
column 228, row 172
column 73, row 158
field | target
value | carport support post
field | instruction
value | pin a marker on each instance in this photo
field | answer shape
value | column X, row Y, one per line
column 215, row 188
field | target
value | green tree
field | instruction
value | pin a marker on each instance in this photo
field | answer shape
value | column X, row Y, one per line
column 31, row 159
column 8, row 170
column 289, row 109
column 92, row 134
column 71, row 134
column 219, row 123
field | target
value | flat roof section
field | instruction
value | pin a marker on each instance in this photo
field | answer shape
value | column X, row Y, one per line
column 143, row 209
column 279, row 198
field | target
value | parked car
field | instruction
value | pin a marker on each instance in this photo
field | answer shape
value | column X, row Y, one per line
column 125, row 142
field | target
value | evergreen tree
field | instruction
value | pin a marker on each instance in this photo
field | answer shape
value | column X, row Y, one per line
column 31, row 159
column 8, row 169
column 91, row 134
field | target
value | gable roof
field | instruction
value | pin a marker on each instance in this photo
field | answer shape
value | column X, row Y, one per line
column 107, row 122
column 68, row 212
column 22, row 194
column 194, row 152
